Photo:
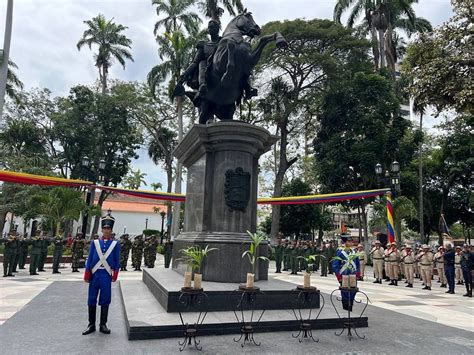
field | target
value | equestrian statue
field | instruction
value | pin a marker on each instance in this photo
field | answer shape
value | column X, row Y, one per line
column 221, row 69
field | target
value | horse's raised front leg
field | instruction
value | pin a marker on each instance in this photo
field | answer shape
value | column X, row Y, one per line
column 263, row 42
column 226, row 79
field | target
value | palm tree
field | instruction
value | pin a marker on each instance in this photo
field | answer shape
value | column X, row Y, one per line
column 381, row 18
column 60, row 205
column 112, row 45
column 211, row 8
column 135, row 179
column 13, row 81
column 6, row 51
column 177, row 15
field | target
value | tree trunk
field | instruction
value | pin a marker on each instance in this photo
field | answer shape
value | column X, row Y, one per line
column 104, row 79
column 382, row 48
column 179, row 170
column 169, row 178
column 102, row 197
column 420, row 181
column 6, row 54
column 375, row 47
column 390, row 49
column 3, row 216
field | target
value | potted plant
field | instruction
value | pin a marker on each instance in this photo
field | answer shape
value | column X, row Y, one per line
column 348, row 264
column 194, row 257
column 310, row 259
column 252, row 255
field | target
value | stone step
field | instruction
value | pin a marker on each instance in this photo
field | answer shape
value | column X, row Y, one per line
column 145, row 318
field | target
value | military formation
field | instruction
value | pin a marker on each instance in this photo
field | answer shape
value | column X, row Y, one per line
column 18, row 248
column 447, row 265
column 292, row 256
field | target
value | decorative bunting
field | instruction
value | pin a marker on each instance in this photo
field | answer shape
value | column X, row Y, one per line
column 31, row 179
column 156, row 195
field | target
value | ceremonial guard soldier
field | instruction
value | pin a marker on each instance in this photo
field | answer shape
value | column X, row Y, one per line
column 44, row 253
column 439, row 258
column 286, row 256
column 341, row 268
column 102, row 268
column 23, row 252
column 377, row 259
column 426, row 264
column 278, row 255
column 408, row 260
column 362, row 260
column 58, row 253
column 35, row 253
column 125, row 246
column 457, row 266
column 324, row 259
column 16, row 253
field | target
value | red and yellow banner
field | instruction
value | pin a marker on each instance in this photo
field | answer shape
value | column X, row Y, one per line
column 31, row 179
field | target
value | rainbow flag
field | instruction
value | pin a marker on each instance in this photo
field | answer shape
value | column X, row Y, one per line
column 390, row 228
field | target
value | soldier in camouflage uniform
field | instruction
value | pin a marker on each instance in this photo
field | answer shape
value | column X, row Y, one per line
column 23, row 252
column 77, row 251
column 286, row 256
column 137, row 252
column 44, row 253
column 16, row 252
column 58, row 253
column 9, row 254
column 125, row 246
column 150, row 251
column 324, row 259
column 278, row 255
column 35, row 252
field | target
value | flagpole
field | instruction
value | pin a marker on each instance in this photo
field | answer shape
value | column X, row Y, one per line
column 6, row 54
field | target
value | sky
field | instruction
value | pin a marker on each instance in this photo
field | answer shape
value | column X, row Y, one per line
column 45, row 33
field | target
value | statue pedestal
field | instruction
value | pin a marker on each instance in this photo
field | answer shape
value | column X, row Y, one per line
column 221, row 197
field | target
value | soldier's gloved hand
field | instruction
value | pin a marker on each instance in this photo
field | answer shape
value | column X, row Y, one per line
column 115, row 276
column 87, row 276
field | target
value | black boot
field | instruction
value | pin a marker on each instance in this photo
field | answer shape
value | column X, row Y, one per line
column 376, row 281
column 91, row 327
column 104, row 311
column 395, row 282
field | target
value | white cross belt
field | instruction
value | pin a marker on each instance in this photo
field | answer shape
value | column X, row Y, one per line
column 102, row 263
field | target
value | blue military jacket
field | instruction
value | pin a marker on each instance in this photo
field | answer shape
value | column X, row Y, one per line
column 113, row 259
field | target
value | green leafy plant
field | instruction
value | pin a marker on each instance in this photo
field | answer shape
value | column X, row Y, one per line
column 252, row 252
column 194, row 257
column 348, row 264
column 310, row 259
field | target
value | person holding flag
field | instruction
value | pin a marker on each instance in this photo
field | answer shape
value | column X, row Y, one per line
column 102, row 268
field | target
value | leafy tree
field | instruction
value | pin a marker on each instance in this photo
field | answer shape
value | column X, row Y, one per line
column 111, row 42
column 156, row 186
column 134, row 179
column 359, row 126
column 6, row 53
column 439, row 65
column 381, row 19
column 319, row 52
column 100, row 127
column 14, row 83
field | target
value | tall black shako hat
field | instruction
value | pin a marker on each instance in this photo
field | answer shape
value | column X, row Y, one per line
column 108, row 220
column 345, row 237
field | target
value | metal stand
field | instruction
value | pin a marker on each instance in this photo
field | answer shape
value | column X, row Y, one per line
column 350, row 323
column 246, row 302
column 306, row 301
column 190, row 297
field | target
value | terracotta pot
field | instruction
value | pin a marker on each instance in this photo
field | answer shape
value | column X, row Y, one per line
column 250, row 280
column 197, row 281
column 306, row 280
column 187, row 279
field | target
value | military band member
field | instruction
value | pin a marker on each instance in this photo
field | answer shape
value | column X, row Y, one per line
column 408, row 260
column 362, row 260
column 392, row 259
column 23, row 252
column 102, row 268
column 439, row 259
column 10, row 244
column 377, row 257
column 35, row 253
column 426, row 264
column 457, row 266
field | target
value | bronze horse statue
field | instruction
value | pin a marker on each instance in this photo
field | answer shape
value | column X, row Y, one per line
column 229, row 68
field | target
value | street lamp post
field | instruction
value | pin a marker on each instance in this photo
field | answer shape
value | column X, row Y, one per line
column 146, row 223
column 162, row 214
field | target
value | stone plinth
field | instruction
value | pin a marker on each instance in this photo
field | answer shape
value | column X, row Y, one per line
column 221, row 196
